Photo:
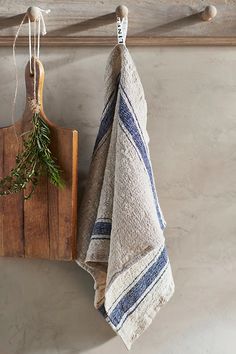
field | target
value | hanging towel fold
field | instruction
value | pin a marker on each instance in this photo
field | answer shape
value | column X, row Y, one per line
column 121, row 242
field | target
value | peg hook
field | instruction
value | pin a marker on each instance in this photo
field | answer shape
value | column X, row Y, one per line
column 209, row 13
column 122, row 11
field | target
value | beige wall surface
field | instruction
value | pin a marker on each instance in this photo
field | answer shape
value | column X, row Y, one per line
column 47, row 307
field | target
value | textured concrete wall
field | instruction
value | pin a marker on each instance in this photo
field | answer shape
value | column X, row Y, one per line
column 47, row 307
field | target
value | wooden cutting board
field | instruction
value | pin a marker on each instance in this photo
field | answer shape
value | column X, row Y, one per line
column 43, row 226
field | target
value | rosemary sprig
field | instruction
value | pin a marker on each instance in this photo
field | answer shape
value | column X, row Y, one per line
column 34, row 161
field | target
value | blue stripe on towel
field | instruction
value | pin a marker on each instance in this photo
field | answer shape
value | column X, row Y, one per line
column 129, row 123
column 106, row 121
column 102, row 310
column 153, row 260
column 100, row 238
column 133, row 296
column 101, row 230
column 136, row 119
column 107, row 115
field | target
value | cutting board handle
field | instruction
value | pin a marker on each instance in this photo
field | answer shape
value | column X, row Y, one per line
column 29, row 84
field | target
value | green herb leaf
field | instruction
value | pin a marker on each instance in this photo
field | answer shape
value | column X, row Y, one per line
column 34, row 161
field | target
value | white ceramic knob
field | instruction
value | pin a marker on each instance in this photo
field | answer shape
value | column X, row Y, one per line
column 122, row 11
column 209, row 13
column 34, row 13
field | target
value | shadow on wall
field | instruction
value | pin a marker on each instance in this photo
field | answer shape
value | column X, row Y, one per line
column 45, row 305
column 48, row 305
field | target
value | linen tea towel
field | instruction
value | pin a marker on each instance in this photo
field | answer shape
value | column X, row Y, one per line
column 121, row 242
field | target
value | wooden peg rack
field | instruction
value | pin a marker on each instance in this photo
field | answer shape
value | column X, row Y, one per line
column 151, row 23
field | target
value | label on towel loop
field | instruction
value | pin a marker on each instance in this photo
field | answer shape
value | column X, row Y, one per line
column 122, row 27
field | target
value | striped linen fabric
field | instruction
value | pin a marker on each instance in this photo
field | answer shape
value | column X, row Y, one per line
column 121, row 242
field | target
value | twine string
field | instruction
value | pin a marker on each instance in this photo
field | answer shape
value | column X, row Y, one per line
column 16, row 76
column 34, row 61
column 36, row 34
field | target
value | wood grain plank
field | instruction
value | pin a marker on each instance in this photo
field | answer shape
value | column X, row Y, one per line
column 53, row 216
column 63, row 202
column 65, row 195
column 73, row 18
column 131, row 41
column 75, row 156
column 53, row 221
column 79, row 23
column 36, row 229
column 1, row 198
column 13, row 237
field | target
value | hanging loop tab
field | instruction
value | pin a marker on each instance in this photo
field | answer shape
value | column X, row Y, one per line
column 122, row 23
